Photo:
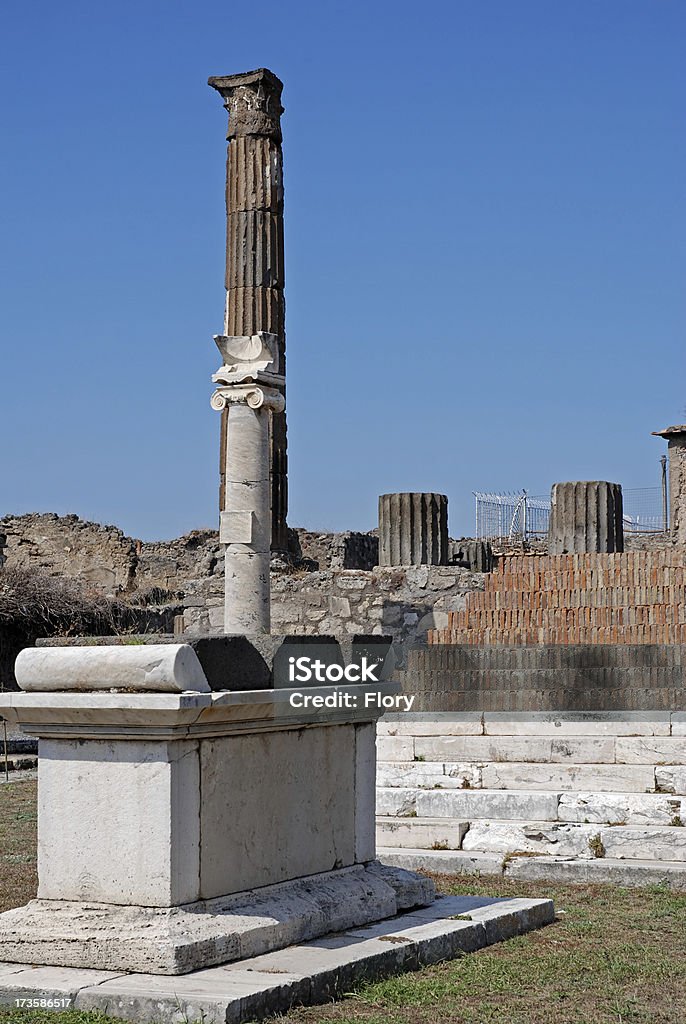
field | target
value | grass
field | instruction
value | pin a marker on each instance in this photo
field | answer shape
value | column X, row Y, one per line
column 615, row 956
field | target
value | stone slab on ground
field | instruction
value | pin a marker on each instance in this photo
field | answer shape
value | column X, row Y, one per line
column 605, row 869
column 421, row 833
column 312, row 972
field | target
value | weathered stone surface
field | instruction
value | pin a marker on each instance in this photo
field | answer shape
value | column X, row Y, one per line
column 645, row 843
column 468, row 804
column 654, row 750
column 429, row 775
column 671, row 779
column 413, row 529
column 585, row 516
column 540, row 837
column 420, row 833
column 602, row 777
column 395, row 748
column 401, row 803
column 619, row 808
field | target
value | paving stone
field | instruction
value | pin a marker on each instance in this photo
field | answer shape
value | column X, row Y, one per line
column 57, row 983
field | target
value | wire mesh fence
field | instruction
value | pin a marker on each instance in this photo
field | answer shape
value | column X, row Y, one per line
column 517, row 516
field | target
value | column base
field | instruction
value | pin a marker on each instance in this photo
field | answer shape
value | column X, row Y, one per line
column 177, row 940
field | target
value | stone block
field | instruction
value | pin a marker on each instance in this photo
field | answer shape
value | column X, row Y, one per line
column 509, row 837
column 671, row 779
column 469, row 723
column 395, row 748
column 654, row 750
column 321, row 835
column 619, row 808
column 655, row 843
column 83, row 818
column 482, row 748
column 467, row 804
column 449, row 862
column 420, row 833
column 602, row 777
column 401, row 803
column 429, row 775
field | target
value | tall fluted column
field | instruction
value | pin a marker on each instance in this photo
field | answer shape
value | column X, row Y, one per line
column 254, row 247
column 586, row 516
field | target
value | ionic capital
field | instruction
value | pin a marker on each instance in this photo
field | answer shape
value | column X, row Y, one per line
column 248, row 394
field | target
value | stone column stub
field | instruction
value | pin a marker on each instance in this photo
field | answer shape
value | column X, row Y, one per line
column 255, row 247
column 413, row 529
column 675, row 437
column 586, row 516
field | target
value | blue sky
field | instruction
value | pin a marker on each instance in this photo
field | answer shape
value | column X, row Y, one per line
column 484, row 249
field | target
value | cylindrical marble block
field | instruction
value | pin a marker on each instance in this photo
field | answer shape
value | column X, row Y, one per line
column 586, row 515
column 413, row 529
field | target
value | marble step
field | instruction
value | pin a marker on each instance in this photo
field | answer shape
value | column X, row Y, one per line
column 582, row 807
column 421, row 833
column 632, row 873
column 510, row 838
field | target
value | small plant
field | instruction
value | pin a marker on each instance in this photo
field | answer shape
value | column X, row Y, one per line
column 595, row 845
column 440, row 844
column 677, row 822
column 419, row 757
column 466, row 784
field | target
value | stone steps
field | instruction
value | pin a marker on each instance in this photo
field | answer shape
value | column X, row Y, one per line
column 540, row 868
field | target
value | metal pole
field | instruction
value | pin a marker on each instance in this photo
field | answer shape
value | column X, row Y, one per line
column 4, row 744
column 665, row 514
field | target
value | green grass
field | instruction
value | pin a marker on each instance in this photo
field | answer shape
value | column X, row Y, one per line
column 614, row 956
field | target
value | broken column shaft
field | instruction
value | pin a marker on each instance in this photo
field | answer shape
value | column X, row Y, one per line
column 413, row 529
column 254, row 247
column 586, row 516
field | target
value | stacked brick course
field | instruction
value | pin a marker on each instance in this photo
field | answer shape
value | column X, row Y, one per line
column 634, row 597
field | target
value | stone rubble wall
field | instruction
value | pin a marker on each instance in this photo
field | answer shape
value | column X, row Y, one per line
column 402, row 602
column 591, row 795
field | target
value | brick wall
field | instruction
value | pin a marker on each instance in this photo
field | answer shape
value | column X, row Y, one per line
column 635, row 597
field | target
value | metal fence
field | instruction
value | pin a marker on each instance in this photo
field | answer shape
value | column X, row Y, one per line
column 520, row 516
